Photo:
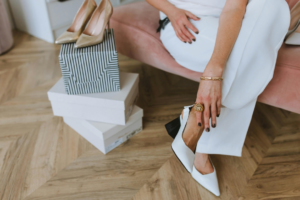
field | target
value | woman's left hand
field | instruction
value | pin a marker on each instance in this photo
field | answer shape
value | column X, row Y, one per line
column 210, row 95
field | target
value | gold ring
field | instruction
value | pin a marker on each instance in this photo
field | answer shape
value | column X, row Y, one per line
column 199, row 107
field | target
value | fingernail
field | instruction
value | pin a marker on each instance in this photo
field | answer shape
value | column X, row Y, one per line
column 218, row 115
column 190, row 42
column 194, row 40
column 214, row 125
column 198, row 17
column 184, row 41
column 199, row 124
column 207, row 130
column 197, row 32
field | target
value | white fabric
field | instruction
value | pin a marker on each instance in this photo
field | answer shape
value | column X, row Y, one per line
column 201, row 7
column 249, row 69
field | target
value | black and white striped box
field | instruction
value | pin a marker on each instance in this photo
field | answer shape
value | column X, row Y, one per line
column 108, row 107
column 91, row 69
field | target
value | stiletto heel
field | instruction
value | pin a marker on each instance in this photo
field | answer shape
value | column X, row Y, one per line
column 108, row 27
column 173, row 127
column 208, row 181
column 95, row 30
column 183, row 152
column 81, row 19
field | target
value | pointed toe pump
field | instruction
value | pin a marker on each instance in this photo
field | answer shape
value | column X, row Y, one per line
column 81, row 19
column 208, row 181
column 95, row 30
column 185, row 155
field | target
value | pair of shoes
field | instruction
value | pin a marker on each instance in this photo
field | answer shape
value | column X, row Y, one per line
column 293, row 35
column 88, row 27
column 186, row 156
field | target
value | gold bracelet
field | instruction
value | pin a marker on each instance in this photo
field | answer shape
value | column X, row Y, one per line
column 211, row 78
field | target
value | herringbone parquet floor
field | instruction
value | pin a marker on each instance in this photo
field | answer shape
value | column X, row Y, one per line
column 43, row 158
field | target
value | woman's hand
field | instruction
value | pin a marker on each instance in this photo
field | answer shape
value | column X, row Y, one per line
column 180, row 23
column 210, row 95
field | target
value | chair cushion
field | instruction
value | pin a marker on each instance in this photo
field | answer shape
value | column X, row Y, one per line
column 135, row 27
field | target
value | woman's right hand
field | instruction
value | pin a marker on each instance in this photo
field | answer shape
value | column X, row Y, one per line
column 180, row 22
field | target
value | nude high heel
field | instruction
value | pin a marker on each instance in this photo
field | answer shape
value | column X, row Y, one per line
column 208, row 181
column 293, row 35
column 81, row 19
column 95, row 30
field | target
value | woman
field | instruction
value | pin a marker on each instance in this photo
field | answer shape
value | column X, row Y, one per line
column 235, row 44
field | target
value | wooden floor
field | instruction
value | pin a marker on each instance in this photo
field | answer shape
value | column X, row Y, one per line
column 43, row 158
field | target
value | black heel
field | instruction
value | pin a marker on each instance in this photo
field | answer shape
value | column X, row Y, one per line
column 173, row 127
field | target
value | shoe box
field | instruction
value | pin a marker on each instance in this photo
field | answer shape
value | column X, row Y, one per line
column 108, row 107
column 104, row 136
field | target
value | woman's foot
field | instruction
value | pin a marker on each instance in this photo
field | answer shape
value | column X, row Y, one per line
column 192, row 131
column 191, row 135
column 203, row 164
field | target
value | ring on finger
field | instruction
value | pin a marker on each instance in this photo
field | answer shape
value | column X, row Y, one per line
column 199, row 107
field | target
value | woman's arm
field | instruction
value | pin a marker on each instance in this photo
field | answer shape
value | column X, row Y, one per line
column 178, row 19
column 209, row 92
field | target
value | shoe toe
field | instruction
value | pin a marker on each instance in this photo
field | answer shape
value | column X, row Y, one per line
column 208, row 181
column 66, row 37
column 83, row 41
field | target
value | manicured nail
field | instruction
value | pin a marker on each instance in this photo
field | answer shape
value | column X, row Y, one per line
column 214, row 125
column 199, row 124
column 190, row 42
column 198, row 17
column 194, row 40
column 218, row 115
column 207, row 130
column 197, row 32
column 184, row 41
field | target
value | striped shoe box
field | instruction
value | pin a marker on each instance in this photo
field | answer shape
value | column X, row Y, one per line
column 91, row 69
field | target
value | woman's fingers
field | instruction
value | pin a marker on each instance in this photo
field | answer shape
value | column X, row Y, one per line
column 179, row 35
column 218, row 107
column 184, row 37
column 213, row 112
column 206, row 115
column 199, row 118
column 191, row 15
column 187, row 33
column 189, row 25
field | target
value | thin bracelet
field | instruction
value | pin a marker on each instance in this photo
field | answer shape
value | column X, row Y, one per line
column 211, row 78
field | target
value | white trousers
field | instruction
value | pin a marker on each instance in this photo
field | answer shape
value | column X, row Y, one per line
column 248, row 71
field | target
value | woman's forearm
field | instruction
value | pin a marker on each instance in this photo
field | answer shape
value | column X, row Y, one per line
column 230, row 23
column 161, row 5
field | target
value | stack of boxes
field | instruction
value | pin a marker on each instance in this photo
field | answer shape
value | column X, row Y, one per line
column 94, row 98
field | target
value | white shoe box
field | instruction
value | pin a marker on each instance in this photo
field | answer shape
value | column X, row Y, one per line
column 106, row 137
column 109, row 107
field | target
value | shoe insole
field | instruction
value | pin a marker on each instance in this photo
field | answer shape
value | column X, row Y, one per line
column 96, row 25
column 77, row 23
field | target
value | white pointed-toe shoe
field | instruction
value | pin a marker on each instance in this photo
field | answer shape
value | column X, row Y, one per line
column 208, row 181
column 183, row 152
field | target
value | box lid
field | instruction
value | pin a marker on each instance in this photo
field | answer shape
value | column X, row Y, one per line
column 105, row 130
column 114, row 100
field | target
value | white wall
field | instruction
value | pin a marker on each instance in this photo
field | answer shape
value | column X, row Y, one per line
column 6, row 3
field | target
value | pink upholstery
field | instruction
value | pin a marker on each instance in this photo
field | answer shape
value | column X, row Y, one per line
column 135, row 27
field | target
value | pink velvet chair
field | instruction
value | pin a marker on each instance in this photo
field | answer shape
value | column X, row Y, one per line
column 135, row 27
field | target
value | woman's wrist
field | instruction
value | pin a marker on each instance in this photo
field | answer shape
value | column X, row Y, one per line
column 215, row 70
column 168, row 9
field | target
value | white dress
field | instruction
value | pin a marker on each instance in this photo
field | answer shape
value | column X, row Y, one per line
column 249, row 68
